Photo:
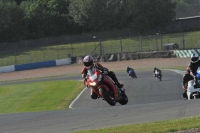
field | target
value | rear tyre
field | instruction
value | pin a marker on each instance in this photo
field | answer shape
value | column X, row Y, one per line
column 124, row 99
column 107, row 97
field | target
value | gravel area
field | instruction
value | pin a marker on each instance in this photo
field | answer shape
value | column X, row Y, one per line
column 76, row 68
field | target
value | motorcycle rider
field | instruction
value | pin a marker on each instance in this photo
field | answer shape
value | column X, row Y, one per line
column 186, row 78
column 129, row 69
column 158, row 70
column 90, row 65
column 193, row 66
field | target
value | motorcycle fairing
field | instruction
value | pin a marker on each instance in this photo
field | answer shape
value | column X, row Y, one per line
column 156, row 72
column 191, row 89
column 97, row 77
column 110, row 82
column 130, row 71
column 93, row 77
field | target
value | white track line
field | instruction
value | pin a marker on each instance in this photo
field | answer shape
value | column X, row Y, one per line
column 70, row 106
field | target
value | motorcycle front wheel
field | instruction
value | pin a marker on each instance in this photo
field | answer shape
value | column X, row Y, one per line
column 124, row 99
column 107, row 96
column 135, row 75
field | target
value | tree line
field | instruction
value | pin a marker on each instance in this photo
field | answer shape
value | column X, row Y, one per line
column 31, row 19
column 187, row 8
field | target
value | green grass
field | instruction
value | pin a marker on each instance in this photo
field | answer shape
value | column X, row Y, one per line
column 132, row 44
column 154, row 127
column 38, row 96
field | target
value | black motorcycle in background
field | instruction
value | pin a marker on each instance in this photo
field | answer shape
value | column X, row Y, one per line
column 158, row 75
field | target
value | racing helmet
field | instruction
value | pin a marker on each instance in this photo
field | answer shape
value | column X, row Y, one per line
column 194, row 57
column 88, row 61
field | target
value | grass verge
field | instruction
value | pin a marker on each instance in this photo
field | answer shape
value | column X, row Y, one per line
column 38, row 96
column 154, row 127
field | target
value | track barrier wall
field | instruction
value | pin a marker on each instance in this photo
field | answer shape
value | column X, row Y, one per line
column 103, row 58
column 186, row 53
column 35, row 65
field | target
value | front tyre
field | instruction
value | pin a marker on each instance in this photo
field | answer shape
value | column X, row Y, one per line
column 124, row 99
column 135, row 75
column 107, row 96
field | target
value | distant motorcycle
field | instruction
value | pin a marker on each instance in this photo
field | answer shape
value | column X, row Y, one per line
column 132, row 73
column 158, row 75
column 105, row 88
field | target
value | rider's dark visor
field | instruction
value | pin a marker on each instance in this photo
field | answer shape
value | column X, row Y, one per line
column 87, row 64
column 194, row 58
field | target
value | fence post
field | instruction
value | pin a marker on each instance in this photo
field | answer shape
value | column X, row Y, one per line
column 183, row 40
column 161, row 47
column 140, row 43
column 15, row 57
column 120, row 44
column 157, row 41
column 44, row 54
column 100, row 47
column 57, row 53
column 71, row 49
column 30, row 57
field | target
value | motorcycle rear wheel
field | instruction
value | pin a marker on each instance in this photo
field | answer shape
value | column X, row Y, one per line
column 107, row 97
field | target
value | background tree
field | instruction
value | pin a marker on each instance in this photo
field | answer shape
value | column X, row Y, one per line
column 11, row 20
column 47, row 18
column 149, row 15
column 187, row 8
column 31, row 19
column 98, row 15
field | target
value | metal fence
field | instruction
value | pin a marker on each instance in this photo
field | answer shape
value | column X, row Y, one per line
column 21, row 54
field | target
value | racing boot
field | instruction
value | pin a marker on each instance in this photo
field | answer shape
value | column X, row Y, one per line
column 120, row 86
column 195, row 83
column 185, row 94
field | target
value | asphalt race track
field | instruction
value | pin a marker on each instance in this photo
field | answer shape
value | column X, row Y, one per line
column 149, row 100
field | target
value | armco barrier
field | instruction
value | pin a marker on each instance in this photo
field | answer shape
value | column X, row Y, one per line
column 35, row 65
column 7, row 68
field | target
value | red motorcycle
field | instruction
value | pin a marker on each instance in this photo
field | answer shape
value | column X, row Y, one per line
column 105, row 88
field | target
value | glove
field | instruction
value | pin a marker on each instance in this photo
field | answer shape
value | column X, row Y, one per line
column 83, row 76
column 87, row 86
column 184, row 87
column 105, row 72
